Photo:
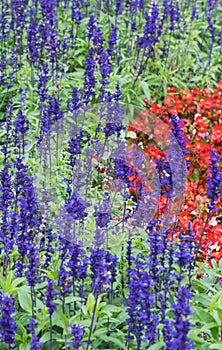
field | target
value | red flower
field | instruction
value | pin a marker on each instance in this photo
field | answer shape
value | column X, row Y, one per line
column 198, row 225
column 169, row 101
column 219, row 86
column 184, row 217
column 201, row 189
column 172, row 90
column 201, row 111
column 154, row 153
column 157, row 109
column 144, row 113
column 198, row 146
column 202, row 127
column 188, row 145
column 146, row 101
column 190, row 205
column 138, row 125
column 216, row 134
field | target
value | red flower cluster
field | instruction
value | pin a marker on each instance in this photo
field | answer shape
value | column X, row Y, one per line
column 201, row 112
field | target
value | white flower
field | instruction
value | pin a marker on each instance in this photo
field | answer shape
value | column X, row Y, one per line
column 132, row 134
column 213, row 221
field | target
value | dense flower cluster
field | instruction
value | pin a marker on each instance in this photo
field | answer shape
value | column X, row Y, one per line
column 7, row 322
column 199, row 112
column 35, row 344
column 77, row 332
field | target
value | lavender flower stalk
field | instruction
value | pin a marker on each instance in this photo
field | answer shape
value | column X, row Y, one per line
column 7, row 322
column 77, row 333
column 50, row 292
column 213, row 190
column 35, row 343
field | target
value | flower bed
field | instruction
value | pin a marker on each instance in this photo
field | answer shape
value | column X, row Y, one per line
column 200, row 114
column 93, row 251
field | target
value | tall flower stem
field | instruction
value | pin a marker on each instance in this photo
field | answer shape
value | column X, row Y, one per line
column 32, row 291
column 50, row 320
column 91, row 324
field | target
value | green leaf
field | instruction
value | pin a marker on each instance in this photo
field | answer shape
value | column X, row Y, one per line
column 112, row 308
column 8, row 282
column 216, row 346
column 24, row 346
column 40, row 285
column 205, row 285
column 145, row 88
column 178, row 82
column 219, row 313
column 193, row 177
column 69, row 300
column 25, row 300
column 203, row 314
column 216, row 302
column 157, row 346
column 203, row 299
column 197, row 339
column 214, row 264
column 56, row 320
column 45, row 338
column 90, row 302
column 114, row 340
column 64, row 320
column 17, row 281
column 100, row 331
column 122, row 316
column 22, row 329
column 208, row 326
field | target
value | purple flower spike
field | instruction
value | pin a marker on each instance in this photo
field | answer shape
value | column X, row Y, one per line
column 35, row 344
column 215, row 180
column 7, row 322
column 77, row 332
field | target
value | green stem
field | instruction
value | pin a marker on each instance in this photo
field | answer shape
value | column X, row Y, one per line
column 91, row 325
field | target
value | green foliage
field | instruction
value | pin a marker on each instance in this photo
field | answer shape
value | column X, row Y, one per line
column 207, row 307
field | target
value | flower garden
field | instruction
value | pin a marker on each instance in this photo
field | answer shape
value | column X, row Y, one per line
column 110, row 174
